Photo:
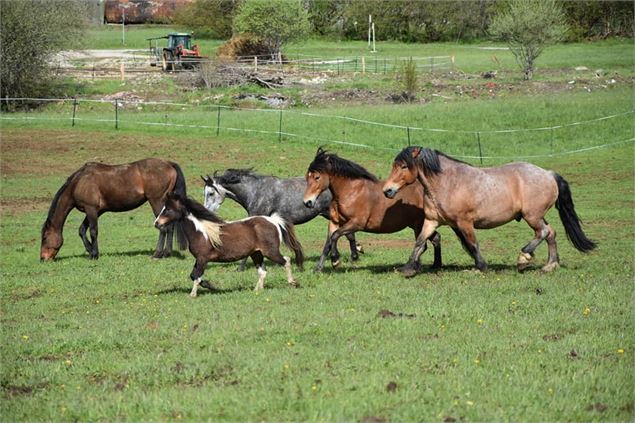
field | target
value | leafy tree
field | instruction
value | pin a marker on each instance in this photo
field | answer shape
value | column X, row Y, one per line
column 208, row 18
column 528, row 26
column 29, row 33
column 274, row 22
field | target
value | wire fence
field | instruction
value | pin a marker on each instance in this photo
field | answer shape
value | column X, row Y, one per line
column 289, row 64
column 278, row 124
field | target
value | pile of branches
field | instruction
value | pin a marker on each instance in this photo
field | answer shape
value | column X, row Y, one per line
column 226, row 74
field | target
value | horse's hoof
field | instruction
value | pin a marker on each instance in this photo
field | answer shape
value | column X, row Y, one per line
column 359, row 248
column 317, row 269
column 408, row 271
column 294, row 284
column 550, row 266
column 336, row 263
column 192, row 294
column 524, row 259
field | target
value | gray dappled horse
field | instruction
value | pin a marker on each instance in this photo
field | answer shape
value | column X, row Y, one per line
column 262, row 195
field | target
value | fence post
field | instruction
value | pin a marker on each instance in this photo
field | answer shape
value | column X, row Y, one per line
column 431, row 64
column 74, row 110
column 551, row 143
column 116, row 113
column 480, row 151
column 218, row 121
column 408, row 128
column 338, row 65
column 255, row 63
column 280, row 127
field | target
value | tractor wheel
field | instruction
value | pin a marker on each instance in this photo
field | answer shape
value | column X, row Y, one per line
column 167, row 61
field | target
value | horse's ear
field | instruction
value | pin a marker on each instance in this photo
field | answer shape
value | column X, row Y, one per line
column 207, row 179
column 415, row 151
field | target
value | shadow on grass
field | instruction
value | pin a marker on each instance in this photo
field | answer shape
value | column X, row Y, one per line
column 135, row 253
column 203, row 291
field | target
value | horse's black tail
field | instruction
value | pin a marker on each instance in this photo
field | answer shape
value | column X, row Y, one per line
column 291, row 241
column 569, row 218
column 181, row 189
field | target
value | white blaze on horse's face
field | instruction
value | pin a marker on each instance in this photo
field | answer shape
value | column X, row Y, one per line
column 212, row 197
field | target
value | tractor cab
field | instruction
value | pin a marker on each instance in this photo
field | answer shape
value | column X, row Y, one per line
column 179, row 53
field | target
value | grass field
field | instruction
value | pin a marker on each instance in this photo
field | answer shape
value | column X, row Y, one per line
column 119, row 339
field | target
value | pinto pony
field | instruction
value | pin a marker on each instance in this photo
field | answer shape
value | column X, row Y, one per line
column 210, row 238
column 358, row 204
column 97, row 188
column 468, row 198
column 262, row 195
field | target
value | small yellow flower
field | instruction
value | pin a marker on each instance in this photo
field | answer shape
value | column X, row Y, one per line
column 286, row 366
column 586, row 311
column 620, row 350
column 68, row 362
column 477, row 361
column 479, row 321
column 25, row 337
column 514, row 302
column 550, row 390
column 289, row 343
column 314, row 387
column 470, row 403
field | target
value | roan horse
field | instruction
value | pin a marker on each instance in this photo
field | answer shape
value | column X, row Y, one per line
column 359, row 205
column 467, row 198
column 212, row 239
column 96, row 188
column 262, row 195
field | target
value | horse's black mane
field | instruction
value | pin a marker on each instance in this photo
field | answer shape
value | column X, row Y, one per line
column 56, row 199
column 199, row 211
column 325, row 161
column 428, row 159
column 234, row 176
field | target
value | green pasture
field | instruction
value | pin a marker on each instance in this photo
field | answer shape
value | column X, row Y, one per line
column 120, row 339
column 616, row 55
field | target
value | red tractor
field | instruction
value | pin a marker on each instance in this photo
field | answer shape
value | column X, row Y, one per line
column 179, row 54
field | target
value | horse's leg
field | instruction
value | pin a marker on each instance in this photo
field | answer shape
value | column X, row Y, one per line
column 92, row 215
column 243, row 264
column 554, row 261
column 262, row 273
column 428, row 230
column 330, row 241
column 167, row 251
column 82, row 234
column 435, row 239
column 274, row 255
column 527, row 252
column 158, row 251
column 335, row 253
column 197, row 274
column 468, row 238
column 355, row 250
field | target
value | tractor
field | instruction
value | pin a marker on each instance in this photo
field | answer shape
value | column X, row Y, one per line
column 179, row 54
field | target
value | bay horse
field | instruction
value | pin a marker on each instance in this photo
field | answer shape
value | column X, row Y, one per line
column 359, row 204
column 96, row 188
column 468, row 198
column 262, row 195
column 210, row 238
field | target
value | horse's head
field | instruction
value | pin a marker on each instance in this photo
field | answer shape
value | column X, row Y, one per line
column 213, row 194
column 404, row 171
column 52, row 241
column 316, row 183
column 173, row 210
column 317, row 177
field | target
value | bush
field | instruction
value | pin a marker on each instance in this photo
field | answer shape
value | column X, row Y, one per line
column 242, row 45
column 29, row 33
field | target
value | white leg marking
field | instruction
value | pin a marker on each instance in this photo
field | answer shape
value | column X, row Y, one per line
column 195, row 287
column 262, row 273
column 287, row 267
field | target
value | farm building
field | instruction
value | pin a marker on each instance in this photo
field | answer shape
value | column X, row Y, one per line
column 141, row 11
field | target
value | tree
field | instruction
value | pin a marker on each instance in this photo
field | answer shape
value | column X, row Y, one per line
column 29, row 33
column 208, row 18
column 274, row 22
column 528, row 26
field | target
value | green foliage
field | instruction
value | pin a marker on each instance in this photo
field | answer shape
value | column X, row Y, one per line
column 591, row 19
column 528, row 26
column 29, row 33
column 208, row 18
column 274, row 22
column 407, row 79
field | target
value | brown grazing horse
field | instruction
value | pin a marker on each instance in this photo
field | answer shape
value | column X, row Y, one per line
column 359, row 204
column 96, row 188
column 467, row 198
column 212, row 239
